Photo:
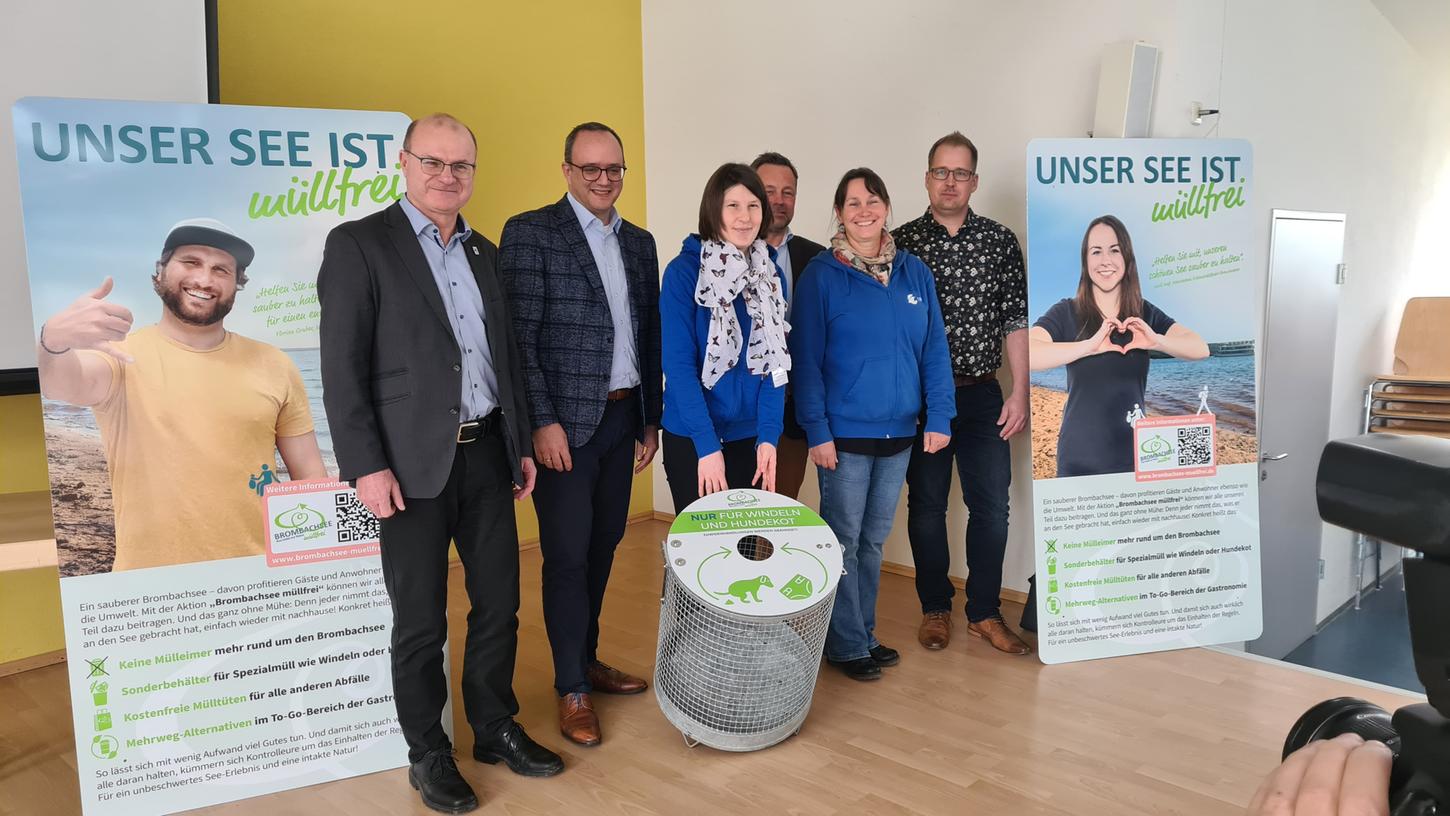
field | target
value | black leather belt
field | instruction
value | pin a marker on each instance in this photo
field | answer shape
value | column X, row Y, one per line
column 477, row 428
column 966, row 379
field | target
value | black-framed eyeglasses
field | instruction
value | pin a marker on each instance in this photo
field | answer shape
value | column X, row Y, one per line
column 614, row 172
column 434, row 167
column 941, row 173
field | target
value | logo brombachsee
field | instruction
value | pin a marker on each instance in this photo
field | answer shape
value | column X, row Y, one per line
column 1155, row 450
column 300, row 522
column 740, row 499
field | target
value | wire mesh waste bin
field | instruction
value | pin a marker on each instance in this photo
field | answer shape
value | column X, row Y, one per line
column 749, row 581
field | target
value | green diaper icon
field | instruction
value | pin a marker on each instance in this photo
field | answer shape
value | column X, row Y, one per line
column 798, row 588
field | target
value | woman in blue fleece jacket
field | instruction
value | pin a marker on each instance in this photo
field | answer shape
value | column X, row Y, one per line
column 868, row 348
column 723, row 345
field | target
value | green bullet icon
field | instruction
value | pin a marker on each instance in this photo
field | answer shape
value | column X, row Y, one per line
column 103, row 720
column 103, row 746
column 1052, row 565
column 98, row 692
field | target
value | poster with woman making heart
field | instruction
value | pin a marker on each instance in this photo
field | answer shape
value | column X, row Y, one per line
column 1143, row 314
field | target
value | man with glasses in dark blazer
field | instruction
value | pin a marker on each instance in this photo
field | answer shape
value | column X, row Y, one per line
column 425, row 402
column 583, row 284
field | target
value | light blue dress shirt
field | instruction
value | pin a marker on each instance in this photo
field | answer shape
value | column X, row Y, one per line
column 782, row 260
column 604, row 245
column 464, row 306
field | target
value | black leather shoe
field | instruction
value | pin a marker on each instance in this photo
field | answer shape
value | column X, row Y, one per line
column 863, row 668
column 885, row 656
column 511, row 746
column 443, row 788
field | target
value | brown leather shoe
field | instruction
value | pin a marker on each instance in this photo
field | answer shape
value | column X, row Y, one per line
column 610, row 680
column 935, row 631
column 994, row 630
column 577, row 720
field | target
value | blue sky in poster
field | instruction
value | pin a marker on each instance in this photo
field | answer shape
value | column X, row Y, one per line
column 1220, row 308
column 86, row 220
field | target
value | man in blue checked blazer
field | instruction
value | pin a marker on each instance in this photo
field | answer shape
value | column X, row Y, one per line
column 583, row 285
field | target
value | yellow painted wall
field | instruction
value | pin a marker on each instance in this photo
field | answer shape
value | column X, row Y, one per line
column 29, row 599
column 22, row 445
column 520, row 74
column 30, row 614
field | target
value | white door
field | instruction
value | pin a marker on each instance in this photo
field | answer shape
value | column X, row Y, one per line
column 1296, row 372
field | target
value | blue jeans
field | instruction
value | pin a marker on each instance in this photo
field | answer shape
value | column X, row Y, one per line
column 858, row 501
column 984, row 461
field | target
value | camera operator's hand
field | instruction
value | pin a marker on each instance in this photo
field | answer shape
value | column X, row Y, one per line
column 1345, row 776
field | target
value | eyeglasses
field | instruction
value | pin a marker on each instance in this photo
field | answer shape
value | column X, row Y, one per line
column 434, row 167
column 941, row 173
column 614, row 172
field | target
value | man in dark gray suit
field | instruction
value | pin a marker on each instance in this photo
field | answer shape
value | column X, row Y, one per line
column 425, row 402
column 584, row 287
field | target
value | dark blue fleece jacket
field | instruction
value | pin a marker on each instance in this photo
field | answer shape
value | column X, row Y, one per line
column 863, row 355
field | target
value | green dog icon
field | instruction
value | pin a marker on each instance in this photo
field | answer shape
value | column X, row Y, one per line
column 747, row 589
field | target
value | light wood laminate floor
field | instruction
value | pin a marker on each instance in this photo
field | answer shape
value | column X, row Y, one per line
column 966, row 730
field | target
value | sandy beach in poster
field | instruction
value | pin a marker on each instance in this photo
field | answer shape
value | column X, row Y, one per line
column 80, row 492
column 1233, row 446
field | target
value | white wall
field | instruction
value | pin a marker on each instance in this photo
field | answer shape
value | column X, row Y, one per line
column 1346, row 117
column 92, row 49
column 1334, row 100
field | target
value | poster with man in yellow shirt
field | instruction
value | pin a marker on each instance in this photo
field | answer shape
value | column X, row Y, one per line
column 192, row 416
column 221, row 593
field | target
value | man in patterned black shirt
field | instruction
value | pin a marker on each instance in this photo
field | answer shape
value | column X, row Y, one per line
column 982, row 287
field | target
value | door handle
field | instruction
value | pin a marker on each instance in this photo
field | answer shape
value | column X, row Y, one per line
column 1276, row 457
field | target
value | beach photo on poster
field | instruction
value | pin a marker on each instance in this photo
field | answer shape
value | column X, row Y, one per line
column 1175, row 388
column 80, row 487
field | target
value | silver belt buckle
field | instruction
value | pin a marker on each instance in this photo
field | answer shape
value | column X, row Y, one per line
column 467, row 426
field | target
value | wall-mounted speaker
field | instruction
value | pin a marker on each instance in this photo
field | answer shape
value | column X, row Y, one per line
column 1125, row 90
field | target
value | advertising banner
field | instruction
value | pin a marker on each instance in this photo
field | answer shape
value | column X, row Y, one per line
column 225, row 616
column 1143, row 302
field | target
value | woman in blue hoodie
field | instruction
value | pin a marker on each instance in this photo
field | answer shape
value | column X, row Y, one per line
column 869, row 348
column 723, row 345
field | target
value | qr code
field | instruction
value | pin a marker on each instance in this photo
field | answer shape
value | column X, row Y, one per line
column 1195, row 445
column 354, row 521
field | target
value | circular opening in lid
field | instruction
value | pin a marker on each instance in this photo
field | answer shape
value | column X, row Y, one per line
column 755, row 547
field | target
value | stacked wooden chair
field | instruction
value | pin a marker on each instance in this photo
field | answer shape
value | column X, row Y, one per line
column 1414, row 398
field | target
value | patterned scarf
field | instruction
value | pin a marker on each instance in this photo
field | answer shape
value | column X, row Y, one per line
column 725, row 273
column 878, row 267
